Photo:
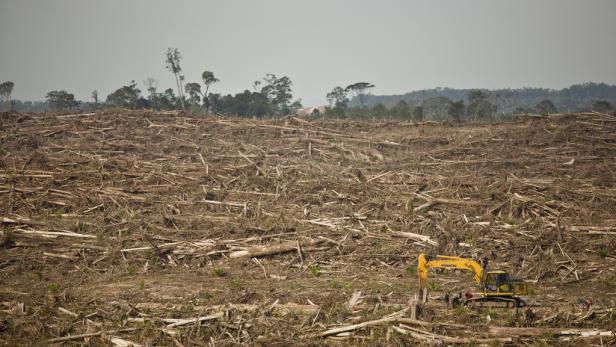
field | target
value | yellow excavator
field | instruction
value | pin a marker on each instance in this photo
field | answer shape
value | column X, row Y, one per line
column 496, row 285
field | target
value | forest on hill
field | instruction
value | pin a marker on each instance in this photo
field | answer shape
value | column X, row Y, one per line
column 578, row 97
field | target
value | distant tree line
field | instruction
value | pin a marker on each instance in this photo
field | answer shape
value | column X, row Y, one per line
column 480, row 104
column 271, row 96
column 354, row 101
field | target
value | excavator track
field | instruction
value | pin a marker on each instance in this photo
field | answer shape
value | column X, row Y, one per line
column 494, row 301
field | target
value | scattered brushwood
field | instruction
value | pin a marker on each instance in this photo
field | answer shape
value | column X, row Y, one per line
column 164, row 228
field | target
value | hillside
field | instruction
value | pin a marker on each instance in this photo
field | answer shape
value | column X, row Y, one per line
column 575, row 98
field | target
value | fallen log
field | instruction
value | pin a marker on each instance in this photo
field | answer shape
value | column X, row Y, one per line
column 394, row 318
column 181, row 322
column 415, row 237
column 425, row 206
column 432, row 337
column 119, row 342
column 6, row 220
column 347, row 328
column 509, row 331
column 592, row 229
column 54, row 234
column 259, row 251
column 82, row 336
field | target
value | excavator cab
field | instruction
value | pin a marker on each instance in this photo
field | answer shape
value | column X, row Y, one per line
column 497, row 283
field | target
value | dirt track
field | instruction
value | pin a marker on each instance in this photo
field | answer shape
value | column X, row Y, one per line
column 122, row 221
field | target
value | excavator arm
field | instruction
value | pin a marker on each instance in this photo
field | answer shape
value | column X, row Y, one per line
column 425, row 263
column 496, row 286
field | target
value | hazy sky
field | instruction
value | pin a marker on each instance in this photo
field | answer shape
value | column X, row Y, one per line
column 399, row 45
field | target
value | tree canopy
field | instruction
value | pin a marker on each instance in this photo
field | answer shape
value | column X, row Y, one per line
column 6, row 89
column 173, row 58
column 359, row 89
column 208, row 79
column 61, row 100
column 125, row 96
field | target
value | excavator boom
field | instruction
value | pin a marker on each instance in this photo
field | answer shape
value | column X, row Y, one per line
column 425, row 263
column 496, row 285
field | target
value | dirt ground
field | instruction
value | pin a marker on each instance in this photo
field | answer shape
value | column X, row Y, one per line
column 139, row 228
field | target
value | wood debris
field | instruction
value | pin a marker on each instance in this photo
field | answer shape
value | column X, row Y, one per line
column 166, row 228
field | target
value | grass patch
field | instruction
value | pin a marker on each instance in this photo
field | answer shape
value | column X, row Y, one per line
column 131, row 270
column 235, row 283
column 218, row 271
column 54, row 288
column 510, row 221
column 314, row 270
column 462, row 312
column 492, row 313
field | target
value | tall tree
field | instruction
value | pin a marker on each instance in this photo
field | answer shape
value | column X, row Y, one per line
column 125, row 96
column 338, row 101
column 61, row 100
column 208, row 79
column 337, row 96
column 279, row 92
column 95, row 98
column 359, row 89
column 151, row 84
column 194, row 93
column 173, row 64
column 6, row 89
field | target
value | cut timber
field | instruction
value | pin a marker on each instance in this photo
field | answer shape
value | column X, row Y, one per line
column 5, row 220
column 82, row 336
column 116, row 341
column 352, row 327
column 393, row 318
column 279, row 310
column 253, row 163
column 507, row 331
column 195, row 320
column 432, row 337
column 425, row 206
column 592, row 229
column 232, row 204
column 415, row 237
column 259, row 251
column 56, row 233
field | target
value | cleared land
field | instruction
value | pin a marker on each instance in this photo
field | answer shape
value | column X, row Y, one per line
column 160, row 228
